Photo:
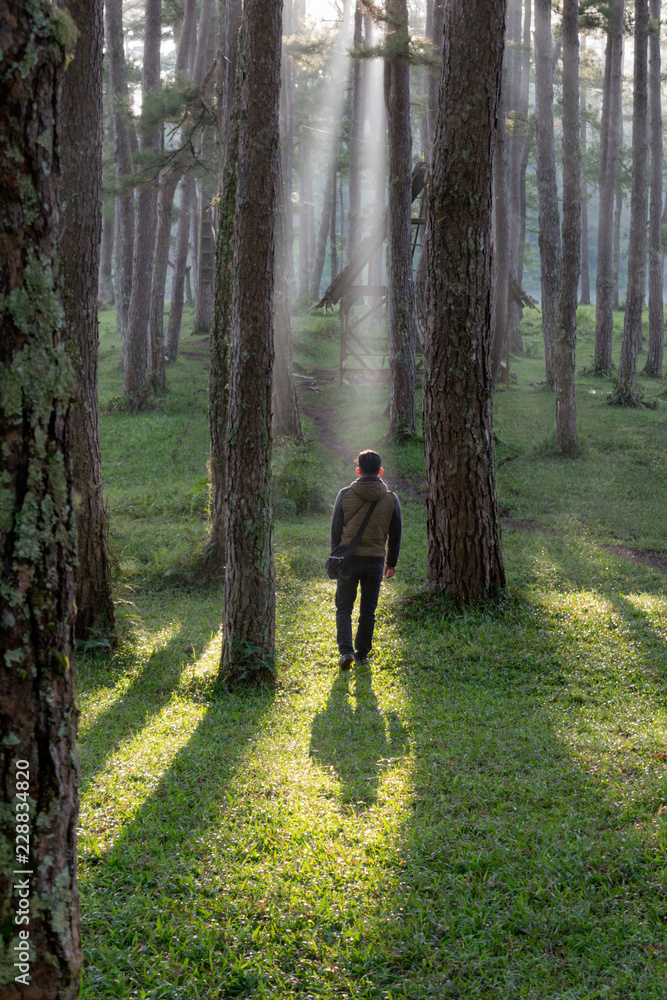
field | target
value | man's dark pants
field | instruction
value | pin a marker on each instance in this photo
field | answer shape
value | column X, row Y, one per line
column 367, row 572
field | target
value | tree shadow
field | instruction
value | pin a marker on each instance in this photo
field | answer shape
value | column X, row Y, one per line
column 352, row 737
column 525, row 855
column 151, row 688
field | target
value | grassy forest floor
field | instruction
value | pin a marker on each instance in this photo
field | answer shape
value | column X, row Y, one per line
column 481, row 813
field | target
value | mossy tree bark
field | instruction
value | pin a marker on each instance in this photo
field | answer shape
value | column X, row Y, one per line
column 610, row 144
column 656, row 319
column 79, row 253
column 625, row 392
column 249, row 611
column 566, row 334
column 37, row 530
column 400, row 328
column 547, row 190
column 464, row 546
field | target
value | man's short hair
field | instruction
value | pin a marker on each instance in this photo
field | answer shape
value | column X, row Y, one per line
column 369, row 462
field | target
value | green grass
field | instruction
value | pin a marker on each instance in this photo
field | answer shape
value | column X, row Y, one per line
column 481, row 813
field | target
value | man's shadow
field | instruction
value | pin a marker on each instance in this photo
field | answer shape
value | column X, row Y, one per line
column 352, row 737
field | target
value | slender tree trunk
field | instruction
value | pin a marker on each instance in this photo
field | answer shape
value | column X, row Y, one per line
column 437, row 37
column 547, row 191
column 610, row 141
column 306, row 222
column 618, row 214
column 513, row 158
column 79, row 252
column 205, row 241
column 249, row 613
column 379, row 139
column 517, row 341
column 106, row 289
column 287, row 144
column 218, row 405
column 180, row 264
column 402, row 347
column 162, row 243
column 322, row 234
column 501, row 237
column 464, row 546
column 125, row 221
column 626, row 389
column 585, row 265
column 656, row 319
column 38, row 756
column 286, row 420
column 135, row 369
column 188, row 39
column 333, row 235
column 566, row 338
column 356, row 132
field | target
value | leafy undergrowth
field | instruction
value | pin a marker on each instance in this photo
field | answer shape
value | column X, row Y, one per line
column 480, row 813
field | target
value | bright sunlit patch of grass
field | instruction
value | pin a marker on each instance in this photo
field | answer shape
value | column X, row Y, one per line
column 132, row 774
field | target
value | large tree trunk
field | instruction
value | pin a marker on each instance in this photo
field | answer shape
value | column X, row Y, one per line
column 585, row 298
column 402, row 347
column 124, row 249
column 39, row 757
column 566, row 337
column 626, row 389
column 78, row 251
column 136, row 355
column 464, row 546
column 656, row 319
column 610, row 141
column 249, row 612
column 618, row 214
column 547, row 191
column 180, row 264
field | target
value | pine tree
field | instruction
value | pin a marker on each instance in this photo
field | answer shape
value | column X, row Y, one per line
column 37, row 530
column 464, row 546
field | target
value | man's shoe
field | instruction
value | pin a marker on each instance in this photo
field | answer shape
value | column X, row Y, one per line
column 345, row 660
column 362, row 657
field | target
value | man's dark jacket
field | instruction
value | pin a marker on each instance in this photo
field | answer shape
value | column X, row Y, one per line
column 350, row 509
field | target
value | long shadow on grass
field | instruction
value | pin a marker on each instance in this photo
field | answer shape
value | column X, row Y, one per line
column 355, row 740
column 150, row 690
column 643, row 629
column 148, row 882
column 518, row 874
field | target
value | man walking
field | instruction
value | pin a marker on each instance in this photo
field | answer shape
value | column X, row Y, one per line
column 368, row 562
